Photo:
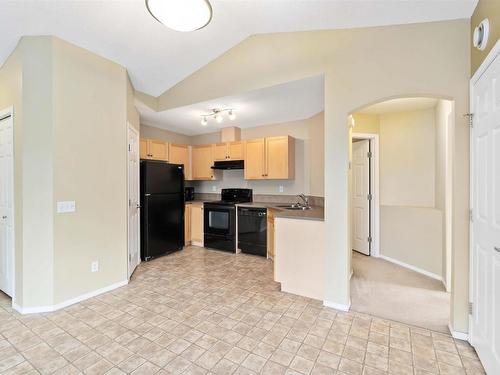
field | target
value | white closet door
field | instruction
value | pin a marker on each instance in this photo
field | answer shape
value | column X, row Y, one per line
column 6, row 206
column 360, row 192
column 133, row 200
column 485, row 327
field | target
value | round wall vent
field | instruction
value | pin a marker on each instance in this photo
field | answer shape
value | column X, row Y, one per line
column 481, row 34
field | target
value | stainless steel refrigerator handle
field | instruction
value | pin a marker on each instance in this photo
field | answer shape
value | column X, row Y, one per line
column 497, row 249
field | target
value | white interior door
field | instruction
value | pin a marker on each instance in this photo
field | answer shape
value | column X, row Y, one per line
column 6, row 205
column 360, row 196
column 485, row 320
column 133, row 200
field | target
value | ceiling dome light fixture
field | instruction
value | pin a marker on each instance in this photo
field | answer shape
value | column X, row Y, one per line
column 216, row 113
column 181, row 15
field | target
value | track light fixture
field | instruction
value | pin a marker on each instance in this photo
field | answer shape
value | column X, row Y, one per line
column 216, row 113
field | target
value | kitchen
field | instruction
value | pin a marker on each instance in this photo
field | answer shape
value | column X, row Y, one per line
column 232, row 177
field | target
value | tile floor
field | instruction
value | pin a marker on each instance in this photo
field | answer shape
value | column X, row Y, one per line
column 207, row 312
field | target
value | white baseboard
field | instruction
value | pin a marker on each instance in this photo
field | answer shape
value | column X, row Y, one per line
column 72, row 301
column 337, row 306
column 196, row 243
column 410, row 267
column 458, row 335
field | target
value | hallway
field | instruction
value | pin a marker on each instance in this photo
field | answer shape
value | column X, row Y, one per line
column 389, row 291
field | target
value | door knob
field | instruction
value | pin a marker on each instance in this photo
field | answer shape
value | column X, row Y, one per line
column 4, row 217
column 497, row 249
column 138, row 205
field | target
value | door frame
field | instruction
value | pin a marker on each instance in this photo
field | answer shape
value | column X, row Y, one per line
column 492, row 55
column 5, row 113
column 375, row 189
column 131, row 129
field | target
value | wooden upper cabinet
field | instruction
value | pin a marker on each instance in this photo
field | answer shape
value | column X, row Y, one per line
column 270, row 158
column 280, row 153
column 255, row 159
column 228, row 151
column 235, row 150
column 153, row 149
column 220, row 151
column 143, row 149
column 202, row 161
column 179, row 154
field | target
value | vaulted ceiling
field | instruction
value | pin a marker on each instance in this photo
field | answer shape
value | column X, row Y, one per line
column 157, row 58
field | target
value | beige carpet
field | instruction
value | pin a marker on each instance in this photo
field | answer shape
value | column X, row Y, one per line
column 389, row 291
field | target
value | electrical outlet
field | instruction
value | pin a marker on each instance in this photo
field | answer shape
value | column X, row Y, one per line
column 94, row 266
column 66, row 206
column 280, row 188
column 214, row 188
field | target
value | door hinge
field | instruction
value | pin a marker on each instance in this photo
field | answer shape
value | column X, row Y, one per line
column 369, row 154
column 129, row 147
column 470, row 116
column 471, row 308
column 369, row 197
column 369, row 239
column 471, row 215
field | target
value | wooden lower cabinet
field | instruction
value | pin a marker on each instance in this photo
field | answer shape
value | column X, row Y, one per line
column 270, row 234
column 197, row 224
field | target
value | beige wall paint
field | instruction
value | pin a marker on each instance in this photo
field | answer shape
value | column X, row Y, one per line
column 485, row 9
column 366, row 123
column 70, row 144
column 164, row 135
column 407, row 159
column 132, row 113
column 89, row 98
column 361, row 67
column 412, row 235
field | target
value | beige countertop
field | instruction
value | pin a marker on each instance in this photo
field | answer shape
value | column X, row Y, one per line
column 315, row 213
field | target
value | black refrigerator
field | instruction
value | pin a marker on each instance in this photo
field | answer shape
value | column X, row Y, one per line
column 162, row 208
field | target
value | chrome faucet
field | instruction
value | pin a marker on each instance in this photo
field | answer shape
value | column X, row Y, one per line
column 304, row 199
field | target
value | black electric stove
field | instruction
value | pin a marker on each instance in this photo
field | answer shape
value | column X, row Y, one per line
column 220, row 219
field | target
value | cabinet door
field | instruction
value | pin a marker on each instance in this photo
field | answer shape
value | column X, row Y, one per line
column 187, row 225
column 202, row 158
column 220, row 151
column 235, row 150
column 143, row 149
column 279, row 158
column 197, row 224
column 179, row 154
column 158, row 150
column 254, row 159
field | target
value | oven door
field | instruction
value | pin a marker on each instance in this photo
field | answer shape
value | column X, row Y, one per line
column 219, row 220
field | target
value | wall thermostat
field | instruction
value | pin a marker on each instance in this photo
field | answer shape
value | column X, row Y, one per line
column 481, row 34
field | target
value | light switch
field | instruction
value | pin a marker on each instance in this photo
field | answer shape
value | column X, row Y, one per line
column 280, row 188
column 66, row 206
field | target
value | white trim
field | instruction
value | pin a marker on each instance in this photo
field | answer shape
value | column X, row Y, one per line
column 72, row 301
column 5, row 112
column 375, row 188
column 458, row 335
column 338, row 306
column 413, row 268
column 492, row 55
column 196, row 243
